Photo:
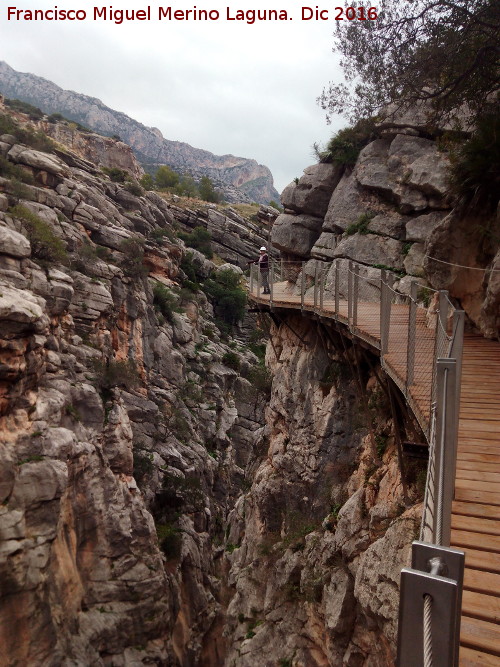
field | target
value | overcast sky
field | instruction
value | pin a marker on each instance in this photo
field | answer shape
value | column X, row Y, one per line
column 225, row 86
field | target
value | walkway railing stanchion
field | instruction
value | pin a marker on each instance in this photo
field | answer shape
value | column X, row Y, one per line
column 349, row 292
column 271, row 283
column 457, row 347
column 251, row 277
column 322, row 289
column 302, row 286
column 355, row 288
column 384, row 317
column 337, row 280
column 412, row 328
column 259, row 280
column 446, row 446
column 439, row 337
column 316, row 288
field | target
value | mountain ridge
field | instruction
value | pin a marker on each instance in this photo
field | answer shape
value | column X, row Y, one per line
column 240, row 179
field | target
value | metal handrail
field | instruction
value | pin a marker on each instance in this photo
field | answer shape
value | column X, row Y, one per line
column 424, row 584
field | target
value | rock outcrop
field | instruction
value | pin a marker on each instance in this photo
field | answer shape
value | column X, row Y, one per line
column 393, row 210
column 241, row 179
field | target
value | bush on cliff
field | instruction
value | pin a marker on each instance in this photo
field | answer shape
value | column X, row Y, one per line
column 227, row 296
column 475, row 166
column 46, row 246
column 199, row 239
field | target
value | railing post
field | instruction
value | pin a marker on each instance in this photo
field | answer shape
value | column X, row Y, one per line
column 271, row 282
column 315, row 286
column 436, row 573
column 439, row 337
column 446, row 448
column 322, row 288
column 259, row 280
column 355, row 289
column 251, row 277
column 302, row 286
column 385, row 311
column 337, row 279
column 457, row 349
column 412, row 326
column 349, row 292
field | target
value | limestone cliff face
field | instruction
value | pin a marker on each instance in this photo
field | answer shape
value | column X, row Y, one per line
column 99, row 150
column 324, row 531
column 393, row 209
column 240, row 178
column 113, row 410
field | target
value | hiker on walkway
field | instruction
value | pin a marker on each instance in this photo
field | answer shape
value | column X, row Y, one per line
column 263, row 262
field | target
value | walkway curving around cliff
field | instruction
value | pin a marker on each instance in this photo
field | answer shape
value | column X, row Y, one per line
column 476, row 507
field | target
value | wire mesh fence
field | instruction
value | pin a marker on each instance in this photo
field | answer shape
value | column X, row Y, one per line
column 412, row 329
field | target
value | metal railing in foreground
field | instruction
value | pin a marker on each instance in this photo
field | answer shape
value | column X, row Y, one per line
column 421, row 350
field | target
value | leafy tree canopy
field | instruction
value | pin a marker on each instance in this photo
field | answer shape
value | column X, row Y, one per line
column 442, row 53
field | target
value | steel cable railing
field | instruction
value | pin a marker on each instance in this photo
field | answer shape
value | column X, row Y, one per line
column 420, row 349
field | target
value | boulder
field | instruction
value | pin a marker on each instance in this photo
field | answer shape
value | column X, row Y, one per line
column 420, row 228
column 347, row 204
column 388, row 224
column 14, row 244
column 295, row 234
column 38, row 160
column 312, row 193
column 371, row 249
column 414, row 260
column 324, row 248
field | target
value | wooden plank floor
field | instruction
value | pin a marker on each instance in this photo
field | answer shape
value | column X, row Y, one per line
column 476, row 508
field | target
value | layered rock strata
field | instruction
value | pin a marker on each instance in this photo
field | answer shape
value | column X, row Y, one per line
column 111, row 414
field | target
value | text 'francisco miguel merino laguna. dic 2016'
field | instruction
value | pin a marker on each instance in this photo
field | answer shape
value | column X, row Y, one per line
column 250, row 16
column 119, row 16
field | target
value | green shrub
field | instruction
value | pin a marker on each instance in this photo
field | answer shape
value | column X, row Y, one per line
column 345, row 146
column 169, row 539
column 147, row 182
column 15, row 171
column 115, row 373
column 134, row 188
column 132, row 263
column 199, row 239
column 232, row 360
column 475, row 166
column 159, row 234
column 166, row 177
column 143, row 464
column 227, row 296
column 46, row 246
column 71, row 411
column 361, row 225
column 54, row 117
column 23, row 107
column 164, row 301
column 115, row 174
column 208, row 192
column 381, row 444
column 186, row 187
column 261, row 379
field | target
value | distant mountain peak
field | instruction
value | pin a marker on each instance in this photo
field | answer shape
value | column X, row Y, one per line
column 240, row 179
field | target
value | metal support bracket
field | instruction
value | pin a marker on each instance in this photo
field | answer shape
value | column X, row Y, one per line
column 437, row 572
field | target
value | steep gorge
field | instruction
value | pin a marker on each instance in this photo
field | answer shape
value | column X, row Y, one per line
column 161, row 502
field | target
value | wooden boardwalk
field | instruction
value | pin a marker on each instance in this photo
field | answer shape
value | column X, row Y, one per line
column 476, row 506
